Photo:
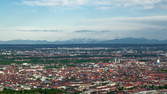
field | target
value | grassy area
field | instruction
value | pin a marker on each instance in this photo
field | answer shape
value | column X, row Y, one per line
column 34, row 91
column 47, row 60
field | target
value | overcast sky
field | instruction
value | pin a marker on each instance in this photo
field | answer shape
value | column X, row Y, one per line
column 85, row 19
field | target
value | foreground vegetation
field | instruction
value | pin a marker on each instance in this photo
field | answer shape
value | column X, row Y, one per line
column 34, row 91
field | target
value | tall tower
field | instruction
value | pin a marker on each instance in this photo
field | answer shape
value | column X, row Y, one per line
column 158, row 61
column 115, row 60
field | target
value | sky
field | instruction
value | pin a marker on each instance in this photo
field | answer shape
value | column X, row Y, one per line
column 56, row 20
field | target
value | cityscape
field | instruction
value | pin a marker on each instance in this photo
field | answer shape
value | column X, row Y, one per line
column 90, row 69
column 83, row 46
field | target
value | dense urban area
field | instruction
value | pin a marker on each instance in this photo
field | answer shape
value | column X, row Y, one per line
column 83, row 69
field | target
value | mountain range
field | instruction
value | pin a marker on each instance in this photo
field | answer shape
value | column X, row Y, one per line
column 90, row 41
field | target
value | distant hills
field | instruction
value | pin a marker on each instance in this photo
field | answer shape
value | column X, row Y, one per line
column 89, row 41
column 24, row 42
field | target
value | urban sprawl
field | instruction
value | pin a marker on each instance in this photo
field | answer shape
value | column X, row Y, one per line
column 91, row 69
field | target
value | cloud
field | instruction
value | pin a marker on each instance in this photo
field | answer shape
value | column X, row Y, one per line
column 53, row 2
column 143, row 20
column 102, row 24
column 39, row 30
column 100, row 4
column 95, row 28
column 127, row 23
column 145, row 4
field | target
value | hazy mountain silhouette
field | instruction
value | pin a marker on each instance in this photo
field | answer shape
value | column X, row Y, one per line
column 90, row 41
